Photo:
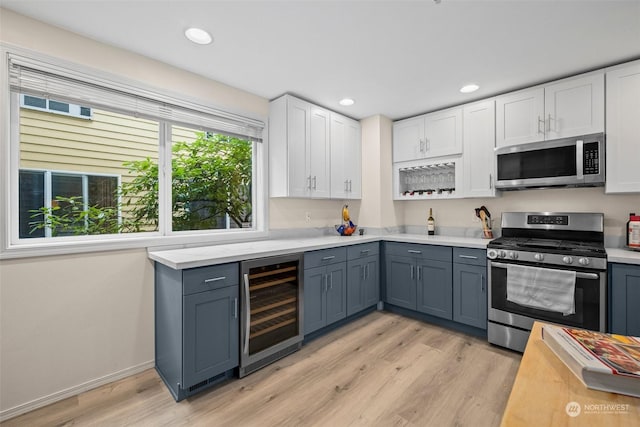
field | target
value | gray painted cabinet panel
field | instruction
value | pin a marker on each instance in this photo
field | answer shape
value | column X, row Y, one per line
column 211, row 335
column 325, row 291
column 625, row 299
column 470, row 295
column 400, row 283
column 363, row 284
column 314, row 299
column 434, row 288
column 196, row 333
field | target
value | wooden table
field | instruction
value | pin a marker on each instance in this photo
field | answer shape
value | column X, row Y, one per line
column 545, row 387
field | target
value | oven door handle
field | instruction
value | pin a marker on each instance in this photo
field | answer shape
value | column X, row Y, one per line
column 579, row 275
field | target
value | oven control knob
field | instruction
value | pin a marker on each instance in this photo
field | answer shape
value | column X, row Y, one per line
column 513, row 255
column 538, row 257
column 492, row 254
column 567, row 260
column 583, row 261
column 502, row 254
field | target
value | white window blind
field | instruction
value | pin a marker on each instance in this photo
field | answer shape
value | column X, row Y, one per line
column 28, row 76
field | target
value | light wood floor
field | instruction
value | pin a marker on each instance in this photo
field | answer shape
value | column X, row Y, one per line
column 381, row 370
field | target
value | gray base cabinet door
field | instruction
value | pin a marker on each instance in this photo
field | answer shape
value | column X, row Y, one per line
column 434, row 288
column 211, row 334
column 363, row 284
column 314, row 299
column 325, row 296
column 336, row 292
column 625, row 299
column 400, row 283
column 470, row 295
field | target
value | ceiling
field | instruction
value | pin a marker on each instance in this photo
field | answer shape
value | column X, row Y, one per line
column 396, row 58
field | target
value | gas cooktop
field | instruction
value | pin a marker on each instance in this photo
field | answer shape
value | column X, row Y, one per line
column 564, row 247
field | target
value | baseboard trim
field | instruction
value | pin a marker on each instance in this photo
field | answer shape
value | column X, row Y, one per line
column 73, row 391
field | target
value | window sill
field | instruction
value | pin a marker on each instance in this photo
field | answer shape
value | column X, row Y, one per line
column 155, row 242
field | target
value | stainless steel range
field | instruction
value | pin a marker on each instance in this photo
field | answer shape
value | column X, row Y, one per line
column 546, row 266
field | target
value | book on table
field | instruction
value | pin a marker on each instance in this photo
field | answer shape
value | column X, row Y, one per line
column 602, row 361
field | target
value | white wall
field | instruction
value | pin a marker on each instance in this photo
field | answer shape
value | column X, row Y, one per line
column 461, row 213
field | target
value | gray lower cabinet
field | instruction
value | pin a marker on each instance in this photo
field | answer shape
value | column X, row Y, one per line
column 625, row 299
column 363, row 280
column 325, row 291
column 197, row 327
column 419, row 277
column 470, row 287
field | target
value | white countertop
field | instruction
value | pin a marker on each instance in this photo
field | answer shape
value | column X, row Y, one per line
column 219, row 254
column 625, row 256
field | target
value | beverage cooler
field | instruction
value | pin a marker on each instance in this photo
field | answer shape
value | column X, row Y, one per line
column 271, row 318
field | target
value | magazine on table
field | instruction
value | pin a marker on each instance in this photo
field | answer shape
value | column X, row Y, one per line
column 602, row 361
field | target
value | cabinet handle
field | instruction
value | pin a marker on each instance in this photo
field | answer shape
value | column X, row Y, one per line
column 413, row 251
column 364, row 251
column 363, row 272
column 247, row 314
column 421, row 150
column 540, row 121
column 490, row 181
column 327, row 258
column 418, row 270
column 309, row 182
column 467, row 256
column 315, row 181
column 549, row 123
column 330, row 281
column 482, row 283
column 214, row 279
column 412, row 272
column 366, row 269
column 350, row 186
column 346, row 186
column 235, row 308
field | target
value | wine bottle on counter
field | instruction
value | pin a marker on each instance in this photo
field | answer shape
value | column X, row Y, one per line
column 431, row 224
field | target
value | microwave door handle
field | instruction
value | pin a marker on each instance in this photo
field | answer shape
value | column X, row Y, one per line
column 580, row 160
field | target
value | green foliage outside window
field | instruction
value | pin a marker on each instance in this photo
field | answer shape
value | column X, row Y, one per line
column 211, row 178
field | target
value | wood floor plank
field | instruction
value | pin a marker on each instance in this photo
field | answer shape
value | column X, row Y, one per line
column 380, row 370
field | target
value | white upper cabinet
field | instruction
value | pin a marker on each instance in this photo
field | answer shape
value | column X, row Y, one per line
column 479, row 142
column 519, row 117
column 569, row 107
column 431, row 135
column 346, row 181
column 623, row 129
column 299, row 153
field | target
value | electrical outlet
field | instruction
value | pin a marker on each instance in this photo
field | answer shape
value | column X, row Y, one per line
column 307, row 216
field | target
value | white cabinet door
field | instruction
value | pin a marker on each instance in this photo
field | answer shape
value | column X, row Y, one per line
column 479, row 142
column 443, row 133
column 298, row 134
column 408, row 139
column 574, row 106
column 520, row 117
column 319, row 153
column 345, row 158
column 623, row 129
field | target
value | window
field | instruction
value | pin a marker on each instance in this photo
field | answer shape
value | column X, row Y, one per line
column 62, row 204
column 58, row 107
column 144, row 165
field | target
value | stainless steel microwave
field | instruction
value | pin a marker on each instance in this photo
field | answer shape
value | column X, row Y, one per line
column 568, row 162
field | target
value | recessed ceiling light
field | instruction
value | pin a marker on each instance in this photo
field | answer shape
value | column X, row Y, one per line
column 472, row 87
column 347, row 101
column 198, row 36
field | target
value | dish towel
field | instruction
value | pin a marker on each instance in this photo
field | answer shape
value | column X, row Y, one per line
column 543, row 288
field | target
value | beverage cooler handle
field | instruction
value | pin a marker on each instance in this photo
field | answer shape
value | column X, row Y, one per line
column 247, row 310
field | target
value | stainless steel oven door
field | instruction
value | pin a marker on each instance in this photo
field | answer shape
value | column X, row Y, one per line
column 590, row 301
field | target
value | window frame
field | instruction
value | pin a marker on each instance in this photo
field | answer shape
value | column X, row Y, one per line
column 75, row 110
column 14, row 247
